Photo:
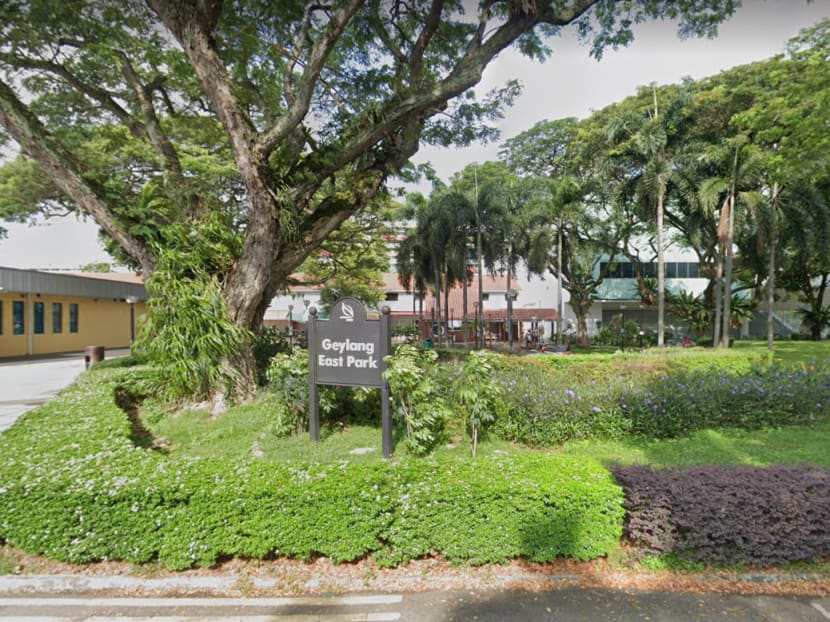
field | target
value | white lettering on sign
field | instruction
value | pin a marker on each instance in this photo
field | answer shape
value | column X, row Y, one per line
column 348, row 345
column 329, row 361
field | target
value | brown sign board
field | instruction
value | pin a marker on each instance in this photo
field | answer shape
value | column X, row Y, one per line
column 348, row 350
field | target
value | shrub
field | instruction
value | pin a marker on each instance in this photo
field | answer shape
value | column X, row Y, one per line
column 417, row 395
column 480, row 399
column 681, row 403
column 268, row 342
column 544, row 409
column 729, row 515
column 73, row 487
column 189, row 333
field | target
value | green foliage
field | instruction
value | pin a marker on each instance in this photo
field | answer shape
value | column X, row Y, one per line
column 679, row 403
column 479, row 397
column 288, row 379
column 550, row 400
column 84, row 492
column 418, row 395
column 188, row 332
column 268, row 342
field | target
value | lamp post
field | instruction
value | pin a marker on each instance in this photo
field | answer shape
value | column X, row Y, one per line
column 131, row 300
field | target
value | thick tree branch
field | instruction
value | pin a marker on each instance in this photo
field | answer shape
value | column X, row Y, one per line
column 158, row 138
column 429, row 99
column 64, row 171
column 102, row 97
column 311, row 74
column 430, row 26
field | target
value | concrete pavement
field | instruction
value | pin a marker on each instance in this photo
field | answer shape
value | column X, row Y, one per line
column 28, row 382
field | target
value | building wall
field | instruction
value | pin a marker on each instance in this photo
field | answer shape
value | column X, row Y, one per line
column 100, row 322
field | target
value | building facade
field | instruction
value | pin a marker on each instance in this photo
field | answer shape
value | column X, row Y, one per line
column 49, row 313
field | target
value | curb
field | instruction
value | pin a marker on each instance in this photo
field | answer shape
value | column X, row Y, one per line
column 247, row 585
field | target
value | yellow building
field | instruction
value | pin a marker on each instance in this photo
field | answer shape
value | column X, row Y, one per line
column 47, row 313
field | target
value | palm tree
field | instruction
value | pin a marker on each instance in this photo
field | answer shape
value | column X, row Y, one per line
column 647, row 142
column 735, row 166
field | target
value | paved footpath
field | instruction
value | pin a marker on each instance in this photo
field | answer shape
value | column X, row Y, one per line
column 28, row 382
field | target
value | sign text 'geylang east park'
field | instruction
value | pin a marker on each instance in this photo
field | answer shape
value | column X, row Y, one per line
column 348, row 350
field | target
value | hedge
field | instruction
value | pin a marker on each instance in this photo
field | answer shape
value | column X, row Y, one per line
column 729, row 515
column 74, row 487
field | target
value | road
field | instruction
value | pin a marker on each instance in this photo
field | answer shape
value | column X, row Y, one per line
column 571, row 604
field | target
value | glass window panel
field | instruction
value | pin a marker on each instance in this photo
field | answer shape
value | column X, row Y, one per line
column 57, row 317
column 73, row 317
column 38, row 318
column 18, row 312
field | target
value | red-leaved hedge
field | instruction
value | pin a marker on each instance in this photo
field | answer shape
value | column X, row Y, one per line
column 729, row 515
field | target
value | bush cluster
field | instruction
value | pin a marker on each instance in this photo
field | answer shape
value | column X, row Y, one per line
column 681, row 403
column 74, row 487
column 729, row 515
column 551, row 400
column 543, row 409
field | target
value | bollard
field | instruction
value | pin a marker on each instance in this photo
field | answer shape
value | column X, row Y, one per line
column 92, row 355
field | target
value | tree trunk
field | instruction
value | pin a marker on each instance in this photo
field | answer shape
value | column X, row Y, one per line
column 509, row 306
column 581, row 308
column 771, row 289
column 464, row 303
column 559, row 304
column 727, row 284
column 661, row 272
column 716, row 341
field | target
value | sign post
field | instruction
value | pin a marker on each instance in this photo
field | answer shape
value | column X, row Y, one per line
column 348, row 349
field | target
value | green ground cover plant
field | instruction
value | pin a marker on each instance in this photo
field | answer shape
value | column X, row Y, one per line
column 85, row 491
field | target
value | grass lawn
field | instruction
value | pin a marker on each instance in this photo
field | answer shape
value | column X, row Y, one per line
column 791, row 351
column 246, row 432
column 790, row 445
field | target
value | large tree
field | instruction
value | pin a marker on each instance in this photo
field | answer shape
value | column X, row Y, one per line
column 288, row 117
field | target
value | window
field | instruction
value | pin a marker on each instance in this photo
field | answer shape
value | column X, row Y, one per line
column 392, row 297
column 57, row 317
column 671, row 270
column 694, row 271
column 626, row 270
column 73, row 317
column 39, row 318
column 18, row 310
column 485, row 297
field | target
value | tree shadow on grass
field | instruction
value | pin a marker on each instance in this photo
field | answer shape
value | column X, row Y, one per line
column 140, row 436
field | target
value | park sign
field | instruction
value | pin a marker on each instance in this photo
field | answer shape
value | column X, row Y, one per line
column 348, row 350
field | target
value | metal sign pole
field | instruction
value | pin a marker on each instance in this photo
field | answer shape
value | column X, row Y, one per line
column 313, row 392
column 386, row 412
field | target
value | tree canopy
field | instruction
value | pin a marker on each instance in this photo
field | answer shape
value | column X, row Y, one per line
column 278, row 120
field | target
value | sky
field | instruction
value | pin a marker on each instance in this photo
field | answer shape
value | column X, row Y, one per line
column 569, row 83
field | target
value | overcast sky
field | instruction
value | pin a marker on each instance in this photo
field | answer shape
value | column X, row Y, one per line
column 570, row 83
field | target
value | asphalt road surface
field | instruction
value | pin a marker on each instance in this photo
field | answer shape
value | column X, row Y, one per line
column 561, row 605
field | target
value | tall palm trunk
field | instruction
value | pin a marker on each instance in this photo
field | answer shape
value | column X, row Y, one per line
column 437, row 307
column 730, row 236
column 771, row 291
column 560, row 306
column 509, row 300
column 716, row 342
column 661, row 268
